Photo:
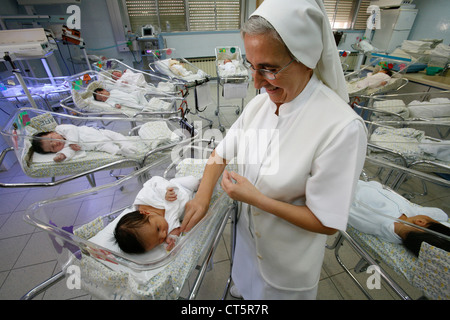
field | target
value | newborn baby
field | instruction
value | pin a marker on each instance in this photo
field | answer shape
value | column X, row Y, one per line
column 67, row 139
column 156, row 220
column 375, row 80
column 177, row 68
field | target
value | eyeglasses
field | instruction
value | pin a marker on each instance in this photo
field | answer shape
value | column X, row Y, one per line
column 270, row 75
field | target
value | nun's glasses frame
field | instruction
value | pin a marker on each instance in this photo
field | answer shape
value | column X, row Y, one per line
column 270, row 75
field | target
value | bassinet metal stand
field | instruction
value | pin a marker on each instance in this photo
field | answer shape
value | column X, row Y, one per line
column 239, row 109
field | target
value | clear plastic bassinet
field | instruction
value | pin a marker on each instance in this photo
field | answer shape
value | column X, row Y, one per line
column 147, row 139
column 75, row 221
column 45, row 92
column 153, row 102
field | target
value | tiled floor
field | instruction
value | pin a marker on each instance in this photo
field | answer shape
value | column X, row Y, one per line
column 27, row 257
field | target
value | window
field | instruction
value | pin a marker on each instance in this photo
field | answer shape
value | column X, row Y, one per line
column 347, row 14
column 185, row 15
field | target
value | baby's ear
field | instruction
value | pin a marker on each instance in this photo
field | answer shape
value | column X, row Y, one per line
column 421, row 222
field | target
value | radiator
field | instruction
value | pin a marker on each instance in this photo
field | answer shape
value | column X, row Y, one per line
column 207, row 64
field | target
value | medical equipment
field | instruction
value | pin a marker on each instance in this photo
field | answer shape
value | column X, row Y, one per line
column 46, row 92
column 232, row 76
column 191, row 76
column 22, row 44
column 381, row 256
column 108, row 273
column 146, row 140
column 147, row 31
column 344, row 55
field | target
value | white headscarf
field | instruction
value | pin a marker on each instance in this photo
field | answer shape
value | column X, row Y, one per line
column 304, row 27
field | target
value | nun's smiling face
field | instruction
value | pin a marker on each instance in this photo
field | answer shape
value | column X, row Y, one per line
column 263, row 52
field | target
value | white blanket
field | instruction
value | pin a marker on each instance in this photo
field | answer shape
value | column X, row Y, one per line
column 435, row 108
column 156, row 133
column 153, row 194
column 411, row 143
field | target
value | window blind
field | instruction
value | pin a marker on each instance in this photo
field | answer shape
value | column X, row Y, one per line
column 347, row 14
column 185, row 15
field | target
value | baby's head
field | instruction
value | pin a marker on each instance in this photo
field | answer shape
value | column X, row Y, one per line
column 386, row 71
column 173, row 62
column 138, row 233
column 116, row 74
column 414, row 238
column 47, row 142
column 101, row 94
column 226, row 61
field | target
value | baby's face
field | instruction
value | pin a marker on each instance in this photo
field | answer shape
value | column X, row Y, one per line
column 55, row 145
column 116, row 75
column 154, row 232
column 102, row 95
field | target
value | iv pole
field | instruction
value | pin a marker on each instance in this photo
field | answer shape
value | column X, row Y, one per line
column 18, row 75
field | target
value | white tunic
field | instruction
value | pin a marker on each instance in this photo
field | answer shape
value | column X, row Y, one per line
column 312, row 153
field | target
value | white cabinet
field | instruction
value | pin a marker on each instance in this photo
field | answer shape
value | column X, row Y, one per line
column 396, row 25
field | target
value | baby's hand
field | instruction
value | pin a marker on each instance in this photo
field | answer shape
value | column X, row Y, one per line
column 118, row 106
column 171, row 239
column 59, row 157
column 171, row 195
column 75, row 147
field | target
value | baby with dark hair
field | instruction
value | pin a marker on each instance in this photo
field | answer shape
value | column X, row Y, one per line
column 375, row 210
column 156, row 220
column 67, row 139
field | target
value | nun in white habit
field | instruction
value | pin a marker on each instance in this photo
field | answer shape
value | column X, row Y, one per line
column 299, row 147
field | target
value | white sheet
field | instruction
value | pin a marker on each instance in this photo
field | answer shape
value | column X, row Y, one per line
column 435, row 108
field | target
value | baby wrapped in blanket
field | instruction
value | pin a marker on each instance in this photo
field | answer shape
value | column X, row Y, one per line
column 228, row 67
column 67, row 140
column 375, row 209
column 177, row 68
column 375, row 79
column 130, row 81
column 371, row 199
column 135, row 99
column 159, row 206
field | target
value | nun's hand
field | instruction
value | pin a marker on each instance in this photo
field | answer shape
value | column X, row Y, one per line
column 194, row 211
column 240, row 190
